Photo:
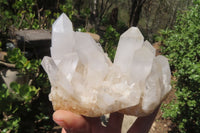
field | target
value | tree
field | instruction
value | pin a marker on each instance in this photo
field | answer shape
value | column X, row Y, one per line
column 136, row 8
column 98, row 10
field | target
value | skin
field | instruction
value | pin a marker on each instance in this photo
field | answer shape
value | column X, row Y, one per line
column 73, row 123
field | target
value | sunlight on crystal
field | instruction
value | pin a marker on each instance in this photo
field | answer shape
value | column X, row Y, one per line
column 85, row 81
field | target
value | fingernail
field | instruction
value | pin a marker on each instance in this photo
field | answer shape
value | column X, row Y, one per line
column 61, row 123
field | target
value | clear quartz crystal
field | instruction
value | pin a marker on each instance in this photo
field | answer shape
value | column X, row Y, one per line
column 63, row 40
column 129, row 42
column 85, row 81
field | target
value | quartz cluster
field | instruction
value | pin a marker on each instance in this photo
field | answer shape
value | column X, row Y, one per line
column 86, row 82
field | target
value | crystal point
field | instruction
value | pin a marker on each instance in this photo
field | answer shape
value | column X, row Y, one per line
column 62, row 24
column 129, row 42
column 133, row 32
column 63, row 40
column 148, row 45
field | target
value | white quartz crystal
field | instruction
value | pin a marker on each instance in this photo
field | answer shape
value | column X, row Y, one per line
column 85, row 81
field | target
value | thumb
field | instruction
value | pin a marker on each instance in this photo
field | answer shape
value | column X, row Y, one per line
column 71, row 121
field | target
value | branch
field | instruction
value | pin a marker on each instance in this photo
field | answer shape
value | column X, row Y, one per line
column 142, row 2
column 105, row 9
column 7, row 64
column 102, row 3
column 21, row 20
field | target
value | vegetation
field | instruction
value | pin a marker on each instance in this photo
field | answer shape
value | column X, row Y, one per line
column 31, row 14
column 182, row 47
column 22, row 105
column 110, row 41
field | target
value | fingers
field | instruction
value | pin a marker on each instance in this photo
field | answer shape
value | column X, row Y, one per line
column 71, row 121
column 143, row 124
column 114, row 124
column 116, row 120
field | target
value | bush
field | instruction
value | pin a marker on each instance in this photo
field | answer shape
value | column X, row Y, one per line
column 25, row 107
column 182, row 47
column 109, row 41
column 32, row 14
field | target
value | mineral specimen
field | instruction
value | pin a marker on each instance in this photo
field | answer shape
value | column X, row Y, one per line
column 86, row 82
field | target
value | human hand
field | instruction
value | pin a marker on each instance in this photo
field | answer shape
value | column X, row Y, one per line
column 73, row 123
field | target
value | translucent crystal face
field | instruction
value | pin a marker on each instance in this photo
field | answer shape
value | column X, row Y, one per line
column 129, row 42
column 63, row 41
column 85, row 81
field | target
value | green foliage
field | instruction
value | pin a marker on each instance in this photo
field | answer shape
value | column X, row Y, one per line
column 24, row 65
column 68, row 8
column 24, row 92
column 182, row 47
column 109, row 41
column 13, row 102
column 19, row 13
column 22, row 105
column 31, row 14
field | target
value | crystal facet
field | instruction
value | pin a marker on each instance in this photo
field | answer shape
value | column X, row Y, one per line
column 129, row 42
column 86, row 82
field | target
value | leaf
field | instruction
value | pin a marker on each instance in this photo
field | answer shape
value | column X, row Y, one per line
column 15, row 87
